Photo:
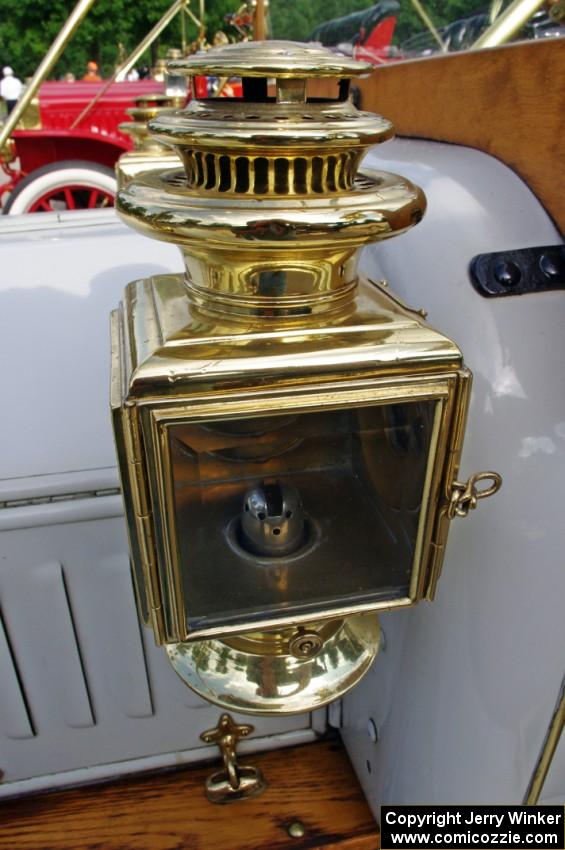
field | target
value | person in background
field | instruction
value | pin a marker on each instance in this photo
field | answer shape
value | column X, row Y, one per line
column 92, row 75
column 10, row 88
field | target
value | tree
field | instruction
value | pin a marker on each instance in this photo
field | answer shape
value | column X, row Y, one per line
column 27, row 28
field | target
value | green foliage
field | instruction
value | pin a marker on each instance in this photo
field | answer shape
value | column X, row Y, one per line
column 441, row 12
column 295, row 19
column 28, row 27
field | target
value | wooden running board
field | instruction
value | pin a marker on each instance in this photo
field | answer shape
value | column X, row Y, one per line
column 314, row 784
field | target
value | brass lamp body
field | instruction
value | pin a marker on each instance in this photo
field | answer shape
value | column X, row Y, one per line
column 271, row 379
column 148, row 153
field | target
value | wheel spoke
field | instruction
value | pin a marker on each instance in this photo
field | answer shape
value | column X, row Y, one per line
column 74, row 195
column 69, row 198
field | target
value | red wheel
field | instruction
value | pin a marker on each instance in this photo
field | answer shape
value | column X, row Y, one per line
column 62, row 186
column 72, row 198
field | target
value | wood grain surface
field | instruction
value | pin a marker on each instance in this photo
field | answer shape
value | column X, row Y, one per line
column 314, row 784
column 507, row 101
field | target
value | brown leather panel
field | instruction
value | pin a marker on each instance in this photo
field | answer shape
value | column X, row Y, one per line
column 508, row 101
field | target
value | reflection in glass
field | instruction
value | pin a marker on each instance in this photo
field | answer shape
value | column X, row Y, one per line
column 358, row 477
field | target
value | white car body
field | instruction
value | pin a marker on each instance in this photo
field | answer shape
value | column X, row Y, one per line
column 463, row 691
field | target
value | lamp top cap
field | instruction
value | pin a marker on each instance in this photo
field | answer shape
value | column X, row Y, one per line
column 279, row 59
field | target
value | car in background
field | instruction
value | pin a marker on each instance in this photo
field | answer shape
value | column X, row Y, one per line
column 63, row 152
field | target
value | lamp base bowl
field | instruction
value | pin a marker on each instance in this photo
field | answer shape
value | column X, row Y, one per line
column 273, row 684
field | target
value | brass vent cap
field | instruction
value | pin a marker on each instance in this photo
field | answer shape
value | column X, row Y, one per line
column 278, row 59
column 276, row 139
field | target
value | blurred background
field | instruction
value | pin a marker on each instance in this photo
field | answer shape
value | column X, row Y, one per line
column 114, row 27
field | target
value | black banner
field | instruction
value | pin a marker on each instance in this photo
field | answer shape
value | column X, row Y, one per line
column 473, row 827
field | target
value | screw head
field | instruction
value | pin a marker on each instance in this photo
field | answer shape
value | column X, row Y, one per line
column 507, row 274
column 297, row 829
column 552, row 267
column 306, row 645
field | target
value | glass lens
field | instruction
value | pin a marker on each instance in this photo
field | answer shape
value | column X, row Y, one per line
column 295, row 514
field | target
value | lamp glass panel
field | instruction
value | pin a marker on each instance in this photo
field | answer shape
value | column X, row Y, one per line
column 360, row 474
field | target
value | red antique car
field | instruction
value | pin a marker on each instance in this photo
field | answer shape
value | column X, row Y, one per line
column 63, row 152
column 61, row 163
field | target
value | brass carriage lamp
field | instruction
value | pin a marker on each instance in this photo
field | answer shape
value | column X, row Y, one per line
column 288, row 433
column 175, row 82
column 148, row 153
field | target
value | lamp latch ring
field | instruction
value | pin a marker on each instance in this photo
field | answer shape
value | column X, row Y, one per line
column 464, row 496
column 235, row 781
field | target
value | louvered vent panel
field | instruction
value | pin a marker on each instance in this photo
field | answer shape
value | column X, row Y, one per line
column 82, row 685
column 104, row 606
column 44, row 646
column 15, row 720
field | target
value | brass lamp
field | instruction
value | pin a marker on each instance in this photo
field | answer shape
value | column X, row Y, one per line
column 288, row 434
column 148, row 153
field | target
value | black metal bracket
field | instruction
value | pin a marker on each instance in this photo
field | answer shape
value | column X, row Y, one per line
column 519, row 272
